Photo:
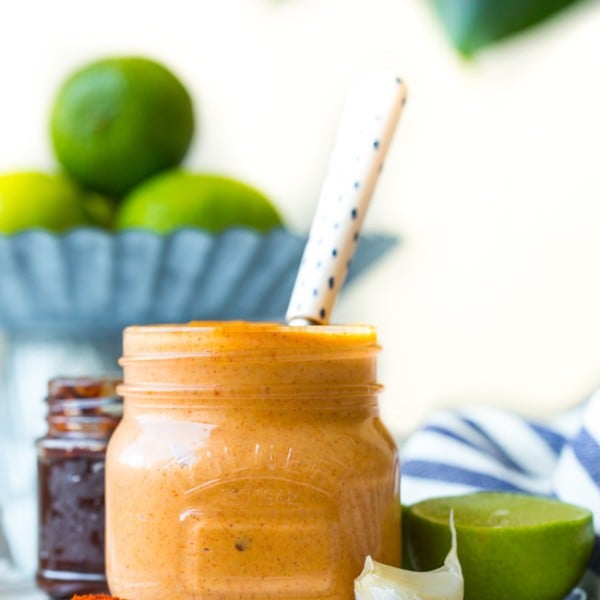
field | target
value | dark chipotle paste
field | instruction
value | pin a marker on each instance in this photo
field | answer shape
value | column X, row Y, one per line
column 82, row 414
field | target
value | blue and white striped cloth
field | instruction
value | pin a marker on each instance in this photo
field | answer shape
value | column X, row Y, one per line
column 484, row 448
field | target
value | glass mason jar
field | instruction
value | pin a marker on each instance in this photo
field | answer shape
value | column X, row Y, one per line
column 250, row 463
column 82, row 414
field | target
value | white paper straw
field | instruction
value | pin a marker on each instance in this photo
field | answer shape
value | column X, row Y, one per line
column 371, row 113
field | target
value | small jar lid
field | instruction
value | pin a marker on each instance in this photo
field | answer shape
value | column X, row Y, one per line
column 84, row 396
column 71, row 388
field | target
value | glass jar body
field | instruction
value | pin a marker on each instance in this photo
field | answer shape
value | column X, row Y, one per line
column 267, row 480
column 82, row 415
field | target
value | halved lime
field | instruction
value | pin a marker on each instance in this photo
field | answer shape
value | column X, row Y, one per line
column 510, row 546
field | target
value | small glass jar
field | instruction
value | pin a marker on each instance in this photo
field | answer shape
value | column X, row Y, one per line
column 82, row 414
column 250, row 463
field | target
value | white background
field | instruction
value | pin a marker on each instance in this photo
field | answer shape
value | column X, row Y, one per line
column 492, row 181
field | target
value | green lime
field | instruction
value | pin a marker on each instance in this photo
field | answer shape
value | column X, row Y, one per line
column 509, row 545
column 99, row 209
column 179, row 199
column 117, row 121
column 31, row 199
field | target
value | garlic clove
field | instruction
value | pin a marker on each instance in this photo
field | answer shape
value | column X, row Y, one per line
column 383, row 582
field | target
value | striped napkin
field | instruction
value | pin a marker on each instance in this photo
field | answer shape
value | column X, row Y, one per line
column 485, row 448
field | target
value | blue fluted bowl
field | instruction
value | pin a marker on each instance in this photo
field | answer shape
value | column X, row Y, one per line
column 91, row 280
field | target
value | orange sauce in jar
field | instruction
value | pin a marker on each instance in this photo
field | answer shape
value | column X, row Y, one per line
column 250, row 463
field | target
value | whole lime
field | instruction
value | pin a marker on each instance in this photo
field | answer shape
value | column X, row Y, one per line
column 509, row 545
column 181, row 199
column 30, row 199
column 120, row 120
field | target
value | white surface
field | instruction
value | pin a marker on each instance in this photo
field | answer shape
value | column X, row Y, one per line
column 493, row 178
column 25, row 593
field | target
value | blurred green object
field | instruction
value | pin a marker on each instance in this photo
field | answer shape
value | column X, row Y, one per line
column 100, row 210
column 32, row 199
column 117, row 121
column 178, row 198
column 475, row 24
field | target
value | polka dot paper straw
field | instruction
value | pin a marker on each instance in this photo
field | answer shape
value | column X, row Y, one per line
column 372, row 110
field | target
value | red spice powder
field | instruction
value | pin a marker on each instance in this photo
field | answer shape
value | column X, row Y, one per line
column 95, row 597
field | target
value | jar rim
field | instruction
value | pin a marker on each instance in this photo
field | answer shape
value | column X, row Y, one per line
column 203, row 338
column 330, row 328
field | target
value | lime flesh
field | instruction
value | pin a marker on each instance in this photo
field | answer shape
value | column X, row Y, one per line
column 510, row 546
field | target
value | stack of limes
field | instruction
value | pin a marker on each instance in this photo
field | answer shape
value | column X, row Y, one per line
column 120, row 127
